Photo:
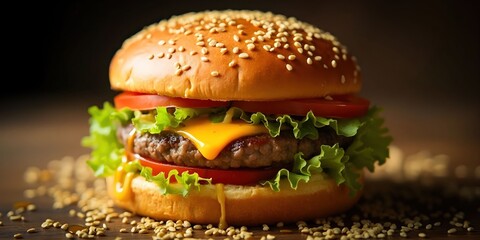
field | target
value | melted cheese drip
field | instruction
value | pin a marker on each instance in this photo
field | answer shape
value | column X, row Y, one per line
column 222, row 222
column 211, row 138
column 123, row 182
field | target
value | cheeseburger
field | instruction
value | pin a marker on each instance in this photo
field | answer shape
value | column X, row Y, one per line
column 235, row 117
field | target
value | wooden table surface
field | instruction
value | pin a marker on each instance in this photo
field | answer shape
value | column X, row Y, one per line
column 434, row 172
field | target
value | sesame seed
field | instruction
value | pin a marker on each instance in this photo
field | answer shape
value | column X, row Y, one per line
column 289, row 67
column 168, row 55
column 161, row 42
column 214, row 73
column 236, row 38
column 318, row 58
column 201, row 43
column 342, row 79
column 177, row 66
column 243, row 55
column 309, row 61
column 181, row 49
column 171, row 42
column 219, row 45
column 251, row 46
column 297, row 44
column 300, row 50
column 335, row 49
column 151, row 57
column 240, row 26
column 241, row 32
column 286, row 46
column 452, row 230
column 161, row 55
column 31, row 230
column 186, row 67
column 280, row 56
column 17, row 236
column 334, row 63
column 69, row 235
column 233, row 63
column 267, row 47
column 277, row 44
column 291, row 57
column 193, row 53
column 204, row 59
column 204, row 51
column 123, row 230
column 235, row 50
column 178, row 72
column 325, row 66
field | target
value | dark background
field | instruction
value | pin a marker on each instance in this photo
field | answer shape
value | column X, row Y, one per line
column 405, row 48
column 420, row 62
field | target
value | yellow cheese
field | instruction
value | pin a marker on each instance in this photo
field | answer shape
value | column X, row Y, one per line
column 222, row 222
column 211, row 138
column 122, row 183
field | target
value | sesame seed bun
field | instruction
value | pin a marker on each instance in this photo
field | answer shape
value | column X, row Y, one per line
column 244, row 205
column 234, row 55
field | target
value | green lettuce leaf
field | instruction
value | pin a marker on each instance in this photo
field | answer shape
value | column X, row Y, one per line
column 156, row 121
column 369, row 146
column 185, row 181
column 107, row 151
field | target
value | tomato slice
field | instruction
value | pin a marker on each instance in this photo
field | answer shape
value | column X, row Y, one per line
column 345, row 106
column 242, row 176
column 140, row 101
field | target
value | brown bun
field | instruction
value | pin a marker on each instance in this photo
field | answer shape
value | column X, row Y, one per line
column 195, row 56
column 244, row 205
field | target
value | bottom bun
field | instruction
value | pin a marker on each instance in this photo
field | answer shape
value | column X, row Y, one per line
column 244, row 205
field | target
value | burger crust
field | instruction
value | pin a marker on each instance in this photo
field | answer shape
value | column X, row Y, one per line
column 244, row 205
column 195, row 56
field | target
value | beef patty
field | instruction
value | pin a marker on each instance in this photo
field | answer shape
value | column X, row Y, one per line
column 251, row 152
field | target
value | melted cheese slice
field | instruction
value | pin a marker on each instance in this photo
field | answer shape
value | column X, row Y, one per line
column 211, row 138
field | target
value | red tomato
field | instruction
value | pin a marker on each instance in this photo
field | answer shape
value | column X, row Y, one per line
column 230, row 176
column 139, row 101
column 347, row 106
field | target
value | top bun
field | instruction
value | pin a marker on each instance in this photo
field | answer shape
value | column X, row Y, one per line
column 234, row 55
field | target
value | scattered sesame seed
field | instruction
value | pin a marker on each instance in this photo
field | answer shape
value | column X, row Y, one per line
column 251, row 46
column 452, row 231
column 17, row 236
column 123, row 230
column 151, row 57
column 277, row 44
column 318, row 58
column 289, row 67
column 204, row 59
column 214, row 73
column 186, row 67
column 204, row 51
column 193, row 53
column 334, row 63
column 15, row 218
column 300, row 50
column 171, row 50
column 342, row 79
column 335, row 49
column 178, row 72
column 161, row 55
column 422, row 235
column 235, row 50
column 181, row 49
column 161, row 42
column 267, row 47
column 69, row 235
column 243, row 55
column 31, row 230
column 171, row 42
column 233, row 63
column 200, row 43
column 168, row 55
column 291, row 57
column 241, row 32
column 309, row 61
column 236, row 38
column 281, row 57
